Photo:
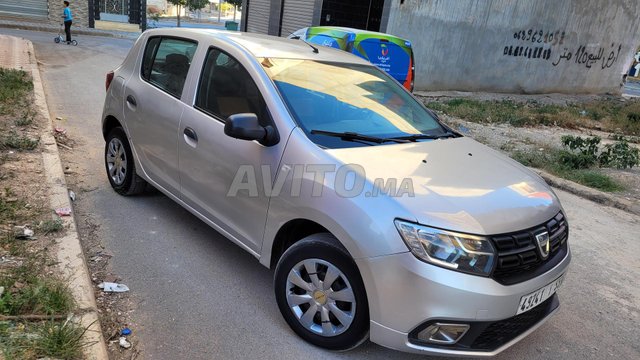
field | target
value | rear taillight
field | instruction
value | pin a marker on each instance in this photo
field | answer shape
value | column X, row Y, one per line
column 107, row 83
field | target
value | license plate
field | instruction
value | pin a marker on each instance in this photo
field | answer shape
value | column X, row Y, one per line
column 534, row 299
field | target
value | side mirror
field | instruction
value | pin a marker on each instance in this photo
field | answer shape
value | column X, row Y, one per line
column 245, row 126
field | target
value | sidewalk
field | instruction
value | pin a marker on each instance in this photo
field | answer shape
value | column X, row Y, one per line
column 19, row 53
column 53, row 29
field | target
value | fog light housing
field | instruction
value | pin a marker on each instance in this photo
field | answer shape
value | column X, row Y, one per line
column 443, row 334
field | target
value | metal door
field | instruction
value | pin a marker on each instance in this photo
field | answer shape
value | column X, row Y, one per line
column 258, row 16
column 35, row 8
column 296, row 14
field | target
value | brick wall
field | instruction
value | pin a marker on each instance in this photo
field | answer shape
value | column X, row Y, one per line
column 79, row 11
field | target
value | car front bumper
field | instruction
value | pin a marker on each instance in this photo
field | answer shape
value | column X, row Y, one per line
column 406, row 294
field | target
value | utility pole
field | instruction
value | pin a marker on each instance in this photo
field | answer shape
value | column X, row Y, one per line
column 143, row 15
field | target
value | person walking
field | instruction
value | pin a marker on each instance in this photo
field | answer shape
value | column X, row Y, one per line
column 68, row 20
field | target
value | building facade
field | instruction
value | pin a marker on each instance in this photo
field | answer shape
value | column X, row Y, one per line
column 514, row 46
column 84, row 11
column 44, row 10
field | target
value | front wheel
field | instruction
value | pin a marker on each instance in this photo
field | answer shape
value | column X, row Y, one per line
column 321, row 295
column 120, row 165
column 56, row 39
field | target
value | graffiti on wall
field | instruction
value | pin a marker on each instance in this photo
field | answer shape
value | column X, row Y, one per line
column 589, row 57
column 544, row 45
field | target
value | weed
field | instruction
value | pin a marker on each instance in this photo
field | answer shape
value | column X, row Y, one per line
column 15, row 85
column 620, row 155
column 550, row 160
column 49, row 339
column 19, row 142
column 27, row 118
column 61, row 341
column 584, row 153
column 44, row 296
column 610, row 115
column 50, row 226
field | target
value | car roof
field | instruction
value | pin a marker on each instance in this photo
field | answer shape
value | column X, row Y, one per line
column 266, row 45
column 356, row 31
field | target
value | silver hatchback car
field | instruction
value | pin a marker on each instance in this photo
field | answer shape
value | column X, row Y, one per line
column 381, row 222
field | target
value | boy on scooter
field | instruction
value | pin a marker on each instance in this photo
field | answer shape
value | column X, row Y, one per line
column 68, row 20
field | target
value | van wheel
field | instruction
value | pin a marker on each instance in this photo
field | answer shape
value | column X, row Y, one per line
column 321, row 295
column 120, row 165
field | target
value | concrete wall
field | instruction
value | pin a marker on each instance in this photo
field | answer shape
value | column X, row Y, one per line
column 580, row 46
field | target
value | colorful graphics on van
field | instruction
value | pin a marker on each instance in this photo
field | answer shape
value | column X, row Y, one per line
column 390, row 53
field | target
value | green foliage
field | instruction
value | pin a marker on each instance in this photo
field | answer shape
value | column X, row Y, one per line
column 610, row 115
column 15, row 86
column 620, row 155
column 16, row 141
column 196, row 4
column 585, row 153
column 51, row 226
column 550, row 160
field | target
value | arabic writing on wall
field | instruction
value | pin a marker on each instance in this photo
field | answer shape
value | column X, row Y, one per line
column 543, row 45
column 587, row 57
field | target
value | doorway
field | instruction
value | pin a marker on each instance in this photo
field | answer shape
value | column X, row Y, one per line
column 358, row 14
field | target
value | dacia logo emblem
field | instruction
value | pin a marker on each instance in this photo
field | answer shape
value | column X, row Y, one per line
column 544, row 244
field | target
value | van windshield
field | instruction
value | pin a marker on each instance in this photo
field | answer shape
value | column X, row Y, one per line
column 358, row 99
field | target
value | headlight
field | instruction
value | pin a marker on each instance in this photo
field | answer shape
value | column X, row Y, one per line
column 461, row 252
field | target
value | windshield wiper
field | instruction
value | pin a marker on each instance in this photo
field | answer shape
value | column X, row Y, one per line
column 416, row 137
column 355, row 136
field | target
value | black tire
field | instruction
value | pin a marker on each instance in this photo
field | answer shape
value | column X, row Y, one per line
column 325, row 247
column 56, row 40
column 130, row 183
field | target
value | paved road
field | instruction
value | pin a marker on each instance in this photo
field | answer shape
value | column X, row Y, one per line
column 632, row 88
column 202, row 297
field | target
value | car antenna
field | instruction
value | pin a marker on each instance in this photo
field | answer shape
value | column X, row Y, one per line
column 315, row 49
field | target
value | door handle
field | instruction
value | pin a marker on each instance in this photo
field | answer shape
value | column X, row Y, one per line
column 131, row 100
column 191, row 134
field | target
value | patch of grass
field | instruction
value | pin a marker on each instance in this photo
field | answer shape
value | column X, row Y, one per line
column 15, row 86
column 51, row 226
column 550, row 161
column 50, row 339
column 47, row 296
column 60, row 341
column 591, row 178
column 610, row 115
column 27, row 118
column 17, row 141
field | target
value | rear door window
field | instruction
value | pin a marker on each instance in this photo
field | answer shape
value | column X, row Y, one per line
column 390, row 57
column 166, row 63
column 226, row 88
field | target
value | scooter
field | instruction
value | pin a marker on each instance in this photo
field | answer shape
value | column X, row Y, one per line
column 61, row 40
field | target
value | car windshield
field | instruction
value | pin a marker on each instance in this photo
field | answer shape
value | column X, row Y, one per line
column 328, row 99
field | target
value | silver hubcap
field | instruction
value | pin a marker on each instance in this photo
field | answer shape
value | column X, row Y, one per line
column 116, row 161
column 321, row 297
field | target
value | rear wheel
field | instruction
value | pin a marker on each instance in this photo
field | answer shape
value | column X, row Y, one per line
column 321, row 295
column 74, row 43
column 56, row 39
column 120, row 165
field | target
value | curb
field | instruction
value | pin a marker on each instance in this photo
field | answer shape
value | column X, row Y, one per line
column 79, row 31
column 589, row 193
column 70, row 254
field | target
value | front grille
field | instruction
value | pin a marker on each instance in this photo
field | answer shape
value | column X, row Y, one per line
column 519, row 258
column 501, row 332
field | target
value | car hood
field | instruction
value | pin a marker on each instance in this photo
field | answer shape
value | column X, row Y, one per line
column 458, row 184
